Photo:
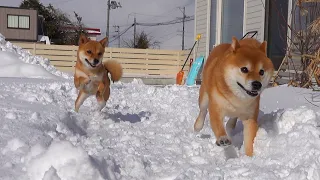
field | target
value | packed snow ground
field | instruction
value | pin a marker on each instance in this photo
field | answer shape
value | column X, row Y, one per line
column 144, row 132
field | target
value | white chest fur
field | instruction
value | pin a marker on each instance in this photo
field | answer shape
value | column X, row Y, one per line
column 92, row 86
column 233, row 108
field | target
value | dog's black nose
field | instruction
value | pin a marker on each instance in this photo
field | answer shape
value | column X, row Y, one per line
column 95, row 61
column 256, row 85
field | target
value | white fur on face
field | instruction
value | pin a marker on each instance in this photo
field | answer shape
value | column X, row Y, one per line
column 231, row 78
column 83, row 57
column 233, row 75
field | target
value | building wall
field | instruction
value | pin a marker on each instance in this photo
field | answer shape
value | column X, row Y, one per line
column 213, row 24
column 254, row 11
column 201, row 26
column 19, row 34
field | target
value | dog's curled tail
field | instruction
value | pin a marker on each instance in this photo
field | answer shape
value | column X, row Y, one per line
column 114, row 68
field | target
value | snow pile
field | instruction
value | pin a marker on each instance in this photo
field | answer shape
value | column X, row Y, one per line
column 61, row 160
column 144, row 132
column 12, row 66
column 27, row 57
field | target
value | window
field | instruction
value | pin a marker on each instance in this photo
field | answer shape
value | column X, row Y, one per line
column 232, row 19
column 18, row 22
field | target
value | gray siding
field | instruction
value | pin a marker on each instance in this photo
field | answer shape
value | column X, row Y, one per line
column 201, row 25
column 213, row 24
column 255, row 17
column 19, row 34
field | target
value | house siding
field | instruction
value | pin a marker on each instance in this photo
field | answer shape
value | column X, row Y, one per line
column 213, row 24
column 255, row 17
column 201, row 25
column 19, row 34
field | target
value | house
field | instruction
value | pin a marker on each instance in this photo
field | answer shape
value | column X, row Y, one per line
column 18, row 24
column 219, row 20
column 92, row 33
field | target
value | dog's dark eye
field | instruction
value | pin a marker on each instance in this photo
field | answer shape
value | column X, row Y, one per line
column 89, row 52
column 99, row 54
column 244, row 70
column 261, row 72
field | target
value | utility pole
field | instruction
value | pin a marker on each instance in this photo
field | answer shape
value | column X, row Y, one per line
column 183, row 20
column 134, row 31
column 118, row 31
column 108, row 19
column 111, row 5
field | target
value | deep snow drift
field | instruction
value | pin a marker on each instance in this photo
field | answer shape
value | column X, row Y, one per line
column 145, row 132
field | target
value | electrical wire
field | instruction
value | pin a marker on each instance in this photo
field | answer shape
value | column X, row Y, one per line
column 120, row 34
column 180, row 20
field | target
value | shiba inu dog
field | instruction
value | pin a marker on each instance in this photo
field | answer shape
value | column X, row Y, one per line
column 91, row 72
column 234, row 76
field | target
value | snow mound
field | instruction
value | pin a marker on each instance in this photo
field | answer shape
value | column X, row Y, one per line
column 13, row 145
column 62, row 160
column 51, row 174
column 12, row 66
column 25, row 56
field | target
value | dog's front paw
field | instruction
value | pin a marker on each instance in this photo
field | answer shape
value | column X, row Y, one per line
column 223, row 141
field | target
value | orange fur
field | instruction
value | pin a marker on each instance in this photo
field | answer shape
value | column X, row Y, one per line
column 114, row 68
column 234, row 76
column 91, row 73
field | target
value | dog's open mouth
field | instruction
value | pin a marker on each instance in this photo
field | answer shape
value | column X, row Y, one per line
column 90, row 63
column 250, row 93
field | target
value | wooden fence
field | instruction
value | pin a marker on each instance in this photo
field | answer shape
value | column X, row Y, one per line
column 135, row 62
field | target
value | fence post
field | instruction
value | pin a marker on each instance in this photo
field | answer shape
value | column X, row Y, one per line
column 179, row 60
column 75, row 56
column 34, row 49
column 110, row 52
column 146, row 58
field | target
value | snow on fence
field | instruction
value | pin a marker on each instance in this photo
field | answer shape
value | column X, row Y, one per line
column 135, row 62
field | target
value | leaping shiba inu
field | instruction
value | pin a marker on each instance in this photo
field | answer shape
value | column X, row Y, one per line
column 91, row 73
column 234, row 76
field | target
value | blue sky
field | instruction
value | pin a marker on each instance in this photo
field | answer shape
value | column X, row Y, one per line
column 95, row 15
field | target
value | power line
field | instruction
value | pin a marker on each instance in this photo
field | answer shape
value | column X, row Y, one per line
column 179, row 20
column 120, row 34
column 176, row 21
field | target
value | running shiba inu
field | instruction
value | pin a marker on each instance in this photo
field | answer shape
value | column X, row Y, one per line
column 91, row 73
column 233, row 78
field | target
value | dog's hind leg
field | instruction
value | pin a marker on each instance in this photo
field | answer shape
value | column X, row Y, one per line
column 231, row 124
column 203, row 105
column 250, row 128
column 82, row 96
column 102, row 96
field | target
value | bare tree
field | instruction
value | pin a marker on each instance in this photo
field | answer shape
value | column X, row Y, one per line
column 143, row 41
column 305, row 36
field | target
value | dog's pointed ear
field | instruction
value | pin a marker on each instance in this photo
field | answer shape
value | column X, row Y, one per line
column 235, row 44
column 104, row 41
column 83, row 39
column 263, row 47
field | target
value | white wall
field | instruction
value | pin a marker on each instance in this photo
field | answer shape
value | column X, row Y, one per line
column 201, row 25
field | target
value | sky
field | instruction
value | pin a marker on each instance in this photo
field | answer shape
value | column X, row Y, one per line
column 94, row 15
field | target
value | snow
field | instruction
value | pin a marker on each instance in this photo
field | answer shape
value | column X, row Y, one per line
column 17, row 62
column 144, row 132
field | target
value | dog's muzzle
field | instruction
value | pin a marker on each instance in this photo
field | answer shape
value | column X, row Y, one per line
column 252, row 93
column 95, row 62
